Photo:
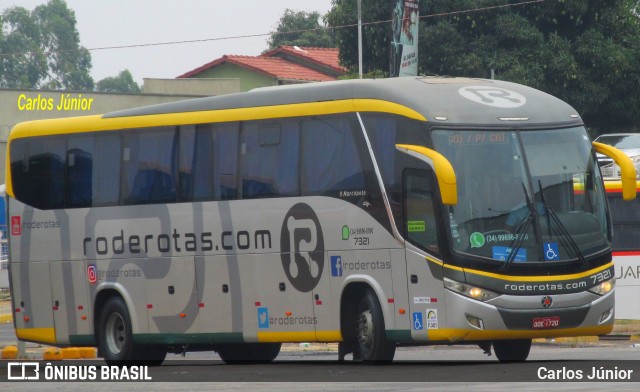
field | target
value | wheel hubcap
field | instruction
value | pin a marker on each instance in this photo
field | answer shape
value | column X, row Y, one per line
column 115, row 333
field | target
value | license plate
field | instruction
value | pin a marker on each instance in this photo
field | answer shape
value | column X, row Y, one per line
column 546, row 322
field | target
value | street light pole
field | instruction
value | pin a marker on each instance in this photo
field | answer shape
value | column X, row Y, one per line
column 360, row 38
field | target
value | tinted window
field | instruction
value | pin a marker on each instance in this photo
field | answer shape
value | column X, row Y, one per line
column 196, row 162
column 330, row 159
column 225, row 161
column 148, row 166
column 626, row 222
column 37, row 168
column 208, row 162
column 419, row 222
column 269, row 156
column 384, row 133
column 93, row 170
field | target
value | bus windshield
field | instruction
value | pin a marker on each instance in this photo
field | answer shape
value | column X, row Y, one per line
column 525, row 196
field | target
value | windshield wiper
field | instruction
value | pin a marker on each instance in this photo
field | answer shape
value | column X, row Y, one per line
column 521, row 231
column 553, row 217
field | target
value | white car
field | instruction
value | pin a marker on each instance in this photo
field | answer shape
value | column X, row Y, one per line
column 628, row 143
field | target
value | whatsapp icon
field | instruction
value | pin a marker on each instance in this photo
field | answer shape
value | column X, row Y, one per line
column 477, row 240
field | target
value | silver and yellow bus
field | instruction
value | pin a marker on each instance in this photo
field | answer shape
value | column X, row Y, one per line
column 372, row 213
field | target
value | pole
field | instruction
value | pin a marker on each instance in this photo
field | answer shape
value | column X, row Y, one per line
column 360, row 38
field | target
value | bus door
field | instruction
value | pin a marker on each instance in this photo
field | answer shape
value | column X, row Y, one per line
column 424, row 270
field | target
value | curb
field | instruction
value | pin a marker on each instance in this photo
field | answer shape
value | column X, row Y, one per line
column 57, row 354
column 54, row 353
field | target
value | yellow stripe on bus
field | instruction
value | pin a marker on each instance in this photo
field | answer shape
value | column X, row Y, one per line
column 510, row 278
column 303, row 336
column 455, row 335
column 41, row 335
column 98, row 123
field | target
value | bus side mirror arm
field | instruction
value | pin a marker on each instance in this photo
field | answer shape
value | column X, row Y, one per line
column 442, row 168
column 627, row 169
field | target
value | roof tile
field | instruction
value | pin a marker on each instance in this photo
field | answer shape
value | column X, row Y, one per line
column 281, row 68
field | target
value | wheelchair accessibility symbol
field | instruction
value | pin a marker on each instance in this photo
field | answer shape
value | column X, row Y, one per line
column 417, row 321
column 551, row 251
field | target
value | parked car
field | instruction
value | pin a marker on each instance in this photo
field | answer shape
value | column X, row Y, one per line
column 628, row 143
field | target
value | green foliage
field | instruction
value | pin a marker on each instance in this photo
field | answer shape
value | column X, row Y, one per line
column 41, row 49
column 373, row 74
column 123, row 83
column 301, row 29
column 584, row 51
column 376, row 38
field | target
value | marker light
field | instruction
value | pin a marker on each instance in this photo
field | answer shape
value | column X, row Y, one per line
column 469, row 291
column 475, row 321
column 606, row 316
column 604, row 287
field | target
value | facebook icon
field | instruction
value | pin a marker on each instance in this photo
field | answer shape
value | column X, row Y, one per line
column 336, row 265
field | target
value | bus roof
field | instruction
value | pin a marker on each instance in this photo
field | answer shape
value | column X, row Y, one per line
column 432, row 97
column 472, row 102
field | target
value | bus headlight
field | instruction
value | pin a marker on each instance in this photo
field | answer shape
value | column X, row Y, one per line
column 604, row 287
column 469, row 291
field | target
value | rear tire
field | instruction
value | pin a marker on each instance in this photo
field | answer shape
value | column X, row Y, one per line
column 371, row 345
column 512, row 350
column 115, row 337
column 247, row 353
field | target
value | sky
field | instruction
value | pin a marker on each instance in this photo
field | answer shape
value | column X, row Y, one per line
column 106, row 23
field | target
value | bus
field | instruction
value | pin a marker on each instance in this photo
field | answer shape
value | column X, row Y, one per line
column 625, row 218
column 371, row 213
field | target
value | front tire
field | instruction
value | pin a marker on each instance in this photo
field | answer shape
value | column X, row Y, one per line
column 512, row 350
column 372, row 345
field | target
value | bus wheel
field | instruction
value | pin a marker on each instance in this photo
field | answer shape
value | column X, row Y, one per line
column 512, row 350
column 245, row 353
column 115, row 338
column 371, row 342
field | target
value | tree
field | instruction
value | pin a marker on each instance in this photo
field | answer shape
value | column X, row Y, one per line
column 376, row 37
column 123, row 83
column 583, row 51
column 41, row 49
column 302, row 29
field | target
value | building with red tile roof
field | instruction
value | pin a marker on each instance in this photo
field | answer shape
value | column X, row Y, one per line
column 283, row 65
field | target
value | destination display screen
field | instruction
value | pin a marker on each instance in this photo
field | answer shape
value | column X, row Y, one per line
column 483, row 137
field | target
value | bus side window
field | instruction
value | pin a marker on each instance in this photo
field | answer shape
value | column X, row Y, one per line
column 148, row 166
column 38, row 170
column 420, row 224
column 269, row 158
column 329, row 159
column 195, row 163
column 225, row 161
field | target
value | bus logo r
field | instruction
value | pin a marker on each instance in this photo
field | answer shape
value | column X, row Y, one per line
column 302, row 247
column 92, row 274
column 493, row 96
column 16, row 227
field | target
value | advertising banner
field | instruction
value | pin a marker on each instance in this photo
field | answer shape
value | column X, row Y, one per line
column 404, row 43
